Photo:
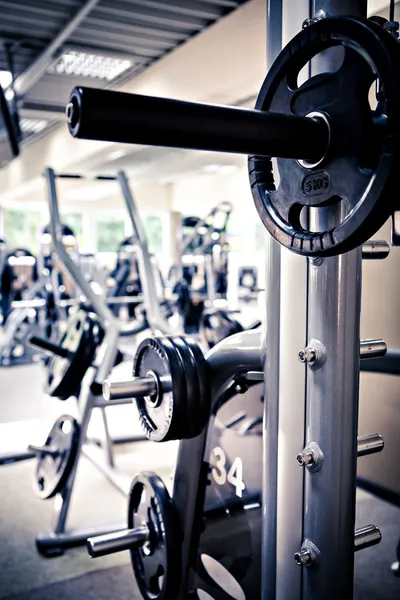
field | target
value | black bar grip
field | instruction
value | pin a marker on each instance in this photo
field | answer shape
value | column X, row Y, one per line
column 388, row 364
column 49, row 346
column 135, row 119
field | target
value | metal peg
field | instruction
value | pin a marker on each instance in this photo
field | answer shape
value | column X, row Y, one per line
column 49, row 346
column 375, row 250
column 136, row 387
column 125, row 539
column 366, row 537
column 44, row 450
column 372, row 348
column 369, row 444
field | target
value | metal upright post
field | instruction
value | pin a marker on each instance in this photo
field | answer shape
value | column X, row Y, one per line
column 334, row 302
column 284, row 409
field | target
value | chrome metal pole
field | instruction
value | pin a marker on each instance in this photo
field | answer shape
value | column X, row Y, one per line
column 109, row 543
column 284, row 409
column 334, row 304
column 136, row 387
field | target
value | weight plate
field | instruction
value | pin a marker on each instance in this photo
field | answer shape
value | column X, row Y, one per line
column 162, row 415
column 53, row 468
column 156, row 564
column 359, row 172
column 204, row 383
column 81, row 340
column 193, row 407
column 216, row 325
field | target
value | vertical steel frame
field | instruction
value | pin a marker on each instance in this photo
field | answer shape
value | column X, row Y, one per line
column 306, row 300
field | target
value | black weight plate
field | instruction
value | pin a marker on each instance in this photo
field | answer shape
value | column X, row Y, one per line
column 204, row 377
column 216, row 325
column 157, row 564
column 52, row 471
column 81, row 339
column 361, row 166
column 164, row 420
column 204, row 383
column 193, row 407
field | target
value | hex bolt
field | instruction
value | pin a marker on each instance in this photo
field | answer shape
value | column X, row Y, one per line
column 311, row 457
column 305, row 458
column 303, row 558
column 308, row 355
column 308, row 555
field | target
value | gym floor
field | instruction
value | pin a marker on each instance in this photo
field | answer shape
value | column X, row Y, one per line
column 24, row 574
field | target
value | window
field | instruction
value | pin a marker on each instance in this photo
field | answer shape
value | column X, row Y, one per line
column 21, row 229
column 110, row 233
column 261, row 237
column 153, row 227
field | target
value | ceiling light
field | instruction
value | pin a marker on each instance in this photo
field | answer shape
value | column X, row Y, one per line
column 84, row 64
column 5, row 79
column 32, row 125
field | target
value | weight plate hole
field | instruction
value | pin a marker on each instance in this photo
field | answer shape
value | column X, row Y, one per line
column 222, row 577
column 333, row 60
column 41, row 483
column 333, row 212
column 66, row 427
column 202, row 595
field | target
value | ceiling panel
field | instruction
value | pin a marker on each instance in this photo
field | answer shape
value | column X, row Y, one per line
column 139, row 31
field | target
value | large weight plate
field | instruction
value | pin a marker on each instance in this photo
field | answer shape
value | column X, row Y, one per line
column 53, row 470
column 81, row 339
column 359, row 173
column 157, row 563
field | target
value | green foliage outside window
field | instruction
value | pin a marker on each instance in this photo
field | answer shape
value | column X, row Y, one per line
column 21, row 229
column 110, row 234
column 261, row 237
column 73, row 220
column 154, row 233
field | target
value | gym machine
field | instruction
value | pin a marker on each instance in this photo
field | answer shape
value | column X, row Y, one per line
column 202, row 277
column 33, row 292
column 222, row 534
column 201, row 273
column 83, row 357
column 23, row 307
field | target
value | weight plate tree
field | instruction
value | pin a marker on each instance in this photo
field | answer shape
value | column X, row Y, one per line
column 228, row 557
column 225, row 560
column 56, row 458
column 73, row 355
